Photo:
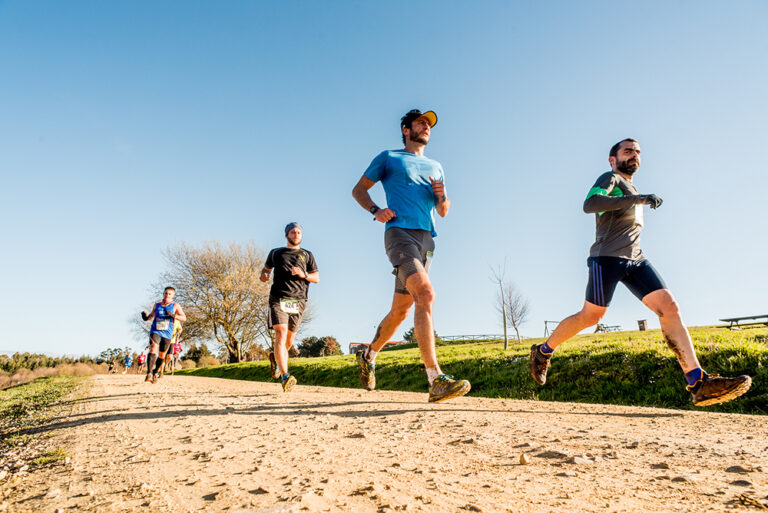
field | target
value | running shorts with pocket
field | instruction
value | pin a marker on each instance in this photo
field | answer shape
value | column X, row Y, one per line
column 286, row 311
column 410, row 252
column 163, row 343
column 606, row 272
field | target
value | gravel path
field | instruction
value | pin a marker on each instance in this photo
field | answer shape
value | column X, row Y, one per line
column 192, row 444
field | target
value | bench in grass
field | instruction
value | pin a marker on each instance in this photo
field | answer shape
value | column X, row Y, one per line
column 735, row 323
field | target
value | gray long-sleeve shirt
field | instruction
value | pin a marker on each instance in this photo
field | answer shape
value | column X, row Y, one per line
column 618, row 216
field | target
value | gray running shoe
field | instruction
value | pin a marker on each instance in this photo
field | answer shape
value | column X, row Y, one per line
column 273, row 370
column 289, row 383
column 444, row 387
column 539, row 364
column 367, row 370
column 716, row 389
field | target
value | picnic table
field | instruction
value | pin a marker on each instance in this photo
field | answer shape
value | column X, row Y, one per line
column 734, row 323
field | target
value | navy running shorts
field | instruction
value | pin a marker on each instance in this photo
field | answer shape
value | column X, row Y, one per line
column 606, row 272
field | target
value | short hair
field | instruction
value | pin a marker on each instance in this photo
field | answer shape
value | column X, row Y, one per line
column 168, row 288
column 407, row 120
column 615, row 148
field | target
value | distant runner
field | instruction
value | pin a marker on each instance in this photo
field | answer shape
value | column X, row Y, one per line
column 170, row 362
column 127, row 362
column 414, row 188
column 140, row 360
column 616, row 257
column 163, row 316
column 295, row 268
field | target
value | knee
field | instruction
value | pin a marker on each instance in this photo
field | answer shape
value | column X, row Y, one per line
column 668, row 308
column 425, row 296
column 592, row 317
column 399, row 314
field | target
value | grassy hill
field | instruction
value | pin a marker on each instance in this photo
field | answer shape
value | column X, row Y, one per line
column 630, row 368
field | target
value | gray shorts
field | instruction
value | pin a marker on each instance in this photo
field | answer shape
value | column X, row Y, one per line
column 410, row 252
column 286, row 311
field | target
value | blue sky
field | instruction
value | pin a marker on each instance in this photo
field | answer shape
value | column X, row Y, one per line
column 129, row 127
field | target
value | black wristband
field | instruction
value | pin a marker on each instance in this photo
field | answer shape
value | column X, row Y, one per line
column 373, row 209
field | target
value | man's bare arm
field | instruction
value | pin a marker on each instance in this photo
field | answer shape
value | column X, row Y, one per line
column 179, row 314
column 360, row 193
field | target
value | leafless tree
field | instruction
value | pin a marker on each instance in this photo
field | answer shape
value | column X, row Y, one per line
column 510, row 303
column 220, row 291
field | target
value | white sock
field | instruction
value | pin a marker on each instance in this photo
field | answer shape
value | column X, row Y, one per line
column 433, row 373
column 370, row 355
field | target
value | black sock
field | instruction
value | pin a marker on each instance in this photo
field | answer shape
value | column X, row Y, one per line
column 151, row 362
column 159, row 364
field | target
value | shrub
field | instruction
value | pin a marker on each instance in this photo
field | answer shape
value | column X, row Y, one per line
column 207, row 361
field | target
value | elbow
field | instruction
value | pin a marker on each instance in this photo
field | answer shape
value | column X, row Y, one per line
column 588, row 208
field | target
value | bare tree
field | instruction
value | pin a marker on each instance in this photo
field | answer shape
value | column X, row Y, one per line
column 222, row 296
column 510, row 302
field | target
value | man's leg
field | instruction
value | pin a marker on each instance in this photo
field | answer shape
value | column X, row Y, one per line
column 589, row 315
column 366, row 357
column 441, row 386
column 423, row 294
column 675, row 333
column 151, row 358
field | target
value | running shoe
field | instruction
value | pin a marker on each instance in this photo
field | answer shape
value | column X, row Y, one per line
column 367, row 370
column 149, row 379
column 445, row 387
column 288, row 383
column 716, row 389
column 154, row 378
column 273, row 366
column 539, row 364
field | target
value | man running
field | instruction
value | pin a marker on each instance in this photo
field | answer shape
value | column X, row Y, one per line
column 414, row 188
column 295, row 268
column 127, row 362
column 140, row 360
column 616, row 257
column 170, row 356
column 163, row 316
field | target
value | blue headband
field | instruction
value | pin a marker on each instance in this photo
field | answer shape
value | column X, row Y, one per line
column 291, row 226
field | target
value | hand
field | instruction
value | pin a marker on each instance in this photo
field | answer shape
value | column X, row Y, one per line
column 144, row 316
column 438, row 189
column 384, row 214
column 295, row 271
column 652, row 200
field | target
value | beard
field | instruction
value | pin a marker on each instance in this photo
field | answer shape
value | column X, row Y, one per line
column 628, row 167
column 294, row 240
column 419, row 138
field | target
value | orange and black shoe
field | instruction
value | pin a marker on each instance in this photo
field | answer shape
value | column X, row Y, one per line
column 716, row 389
column 539, row 364
column 444, row 387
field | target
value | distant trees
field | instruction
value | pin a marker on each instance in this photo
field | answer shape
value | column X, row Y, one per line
column 410, row 337
column 218, row 287
column 318, row 346
column 114, row 355
column 510, row 302
column 32, row 361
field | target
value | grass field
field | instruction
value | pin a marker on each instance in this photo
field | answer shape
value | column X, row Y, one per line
column 630, row 368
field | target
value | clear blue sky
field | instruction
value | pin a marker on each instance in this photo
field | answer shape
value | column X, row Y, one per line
column 127, row 127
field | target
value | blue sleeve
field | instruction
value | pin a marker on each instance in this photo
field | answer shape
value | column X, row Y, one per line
column 378, row 167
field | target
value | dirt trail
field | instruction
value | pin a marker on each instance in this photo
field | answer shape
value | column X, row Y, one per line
column 201, row 444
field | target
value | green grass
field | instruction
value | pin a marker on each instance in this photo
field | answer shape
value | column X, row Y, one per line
column 629, row 368
column 27, row 405
column 49, row 457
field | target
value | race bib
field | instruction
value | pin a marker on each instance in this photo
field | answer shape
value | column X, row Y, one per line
column 290, row 306
column 428, row 261
column 162, row 325
column 639, row 215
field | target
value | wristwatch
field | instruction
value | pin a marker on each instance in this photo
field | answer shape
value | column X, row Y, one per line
column 373, row 209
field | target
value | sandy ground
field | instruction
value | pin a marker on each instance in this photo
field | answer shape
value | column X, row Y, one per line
column 199, row 444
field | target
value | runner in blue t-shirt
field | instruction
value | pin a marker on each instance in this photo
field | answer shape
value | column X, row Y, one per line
column 414, row 188
column 163, row 316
